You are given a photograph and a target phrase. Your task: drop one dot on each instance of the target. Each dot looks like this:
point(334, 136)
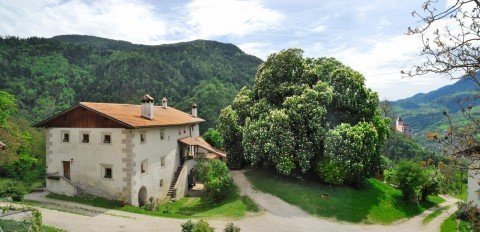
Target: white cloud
point(133, 21)
point(381, 66)
point(210, 18)
point(320, 28)
point(261, 50)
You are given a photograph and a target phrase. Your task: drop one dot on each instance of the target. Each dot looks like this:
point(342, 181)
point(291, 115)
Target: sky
point(367, 35)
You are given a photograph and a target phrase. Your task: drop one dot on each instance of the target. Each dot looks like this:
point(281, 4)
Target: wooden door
point(66, 169)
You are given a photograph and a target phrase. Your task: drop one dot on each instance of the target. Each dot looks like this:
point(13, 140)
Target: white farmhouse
point(123, 151)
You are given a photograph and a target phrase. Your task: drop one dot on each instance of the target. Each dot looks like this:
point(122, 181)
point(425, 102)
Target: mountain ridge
point(48, 75)
point(424, 112)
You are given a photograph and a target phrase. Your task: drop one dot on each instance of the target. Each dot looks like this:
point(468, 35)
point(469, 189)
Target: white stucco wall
point(473, 186)
point(61, 186)
point(152, 151)
point(86, 159)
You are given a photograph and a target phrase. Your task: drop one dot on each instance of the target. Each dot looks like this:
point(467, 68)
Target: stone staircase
point(80, 191)
point(174, 181)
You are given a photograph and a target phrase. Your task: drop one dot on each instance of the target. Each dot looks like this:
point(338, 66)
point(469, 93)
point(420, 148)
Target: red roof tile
point(199, 141)
point(131, 114)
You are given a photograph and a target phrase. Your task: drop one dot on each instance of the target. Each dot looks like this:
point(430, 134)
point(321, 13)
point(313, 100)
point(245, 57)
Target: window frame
point(143, 137)
point(62, 138)
point(162, 161)
point(104, 171)
point(82, 133)
point(103, 138)
point(162, 134)
point(144, 167)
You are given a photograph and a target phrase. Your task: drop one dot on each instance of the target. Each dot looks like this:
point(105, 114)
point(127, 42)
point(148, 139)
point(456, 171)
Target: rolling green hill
point(50, 75)
point(424, 111)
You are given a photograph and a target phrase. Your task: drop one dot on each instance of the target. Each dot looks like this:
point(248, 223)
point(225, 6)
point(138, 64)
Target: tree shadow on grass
point(203, 205)
point(337, 202)
point(412, 209)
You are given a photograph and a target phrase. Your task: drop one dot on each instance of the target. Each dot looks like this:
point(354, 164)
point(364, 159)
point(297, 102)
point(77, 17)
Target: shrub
point(202, 226)
point(470, 213)
point(410, 178)
point(216, 177)
point(232, 228)
point(213, 137)
point(22, 168)
point(151, 205)
point(188, 226)
point(13, 189)
point(35, 220)
point(199, 226)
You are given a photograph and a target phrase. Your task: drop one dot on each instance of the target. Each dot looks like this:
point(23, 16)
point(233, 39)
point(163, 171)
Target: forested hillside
point(424, 112)
point(50, 75)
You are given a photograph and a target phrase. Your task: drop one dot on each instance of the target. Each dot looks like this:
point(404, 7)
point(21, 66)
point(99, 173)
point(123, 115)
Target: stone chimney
point(194, 110)
point(147, 106)
point(164, 102)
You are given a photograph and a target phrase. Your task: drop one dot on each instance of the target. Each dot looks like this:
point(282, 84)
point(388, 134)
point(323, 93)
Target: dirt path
point(278, 216)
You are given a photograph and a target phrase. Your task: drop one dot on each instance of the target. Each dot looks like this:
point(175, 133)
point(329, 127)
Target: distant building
point(2, 145)
point(124, 151)
point(402, 127)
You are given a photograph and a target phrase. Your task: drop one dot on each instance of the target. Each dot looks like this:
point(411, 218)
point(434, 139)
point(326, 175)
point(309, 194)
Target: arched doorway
point(142, 196)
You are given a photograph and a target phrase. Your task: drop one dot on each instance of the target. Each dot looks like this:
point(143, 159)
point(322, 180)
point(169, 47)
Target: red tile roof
point(131, 114)
point(199, 141)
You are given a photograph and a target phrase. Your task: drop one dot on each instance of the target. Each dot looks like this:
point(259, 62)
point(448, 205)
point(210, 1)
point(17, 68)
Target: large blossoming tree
point(299, 113)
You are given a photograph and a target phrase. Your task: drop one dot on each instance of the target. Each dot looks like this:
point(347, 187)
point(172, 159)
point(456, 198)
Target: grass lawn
point(18, 226)
point(377, 203)
point(449, 225)
point(452, 225)
point(434, 214)
point(234, 206)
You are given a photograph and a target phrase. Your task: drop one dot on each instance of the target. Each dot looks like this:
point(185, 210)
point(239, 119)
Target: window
point(161, 183)
point(162, 134)
point(162, 161)
point(184, 129)
point(85, 138)
point(65, 137)
point(143, 137)
point(179, 130)
point(107, 138)
point(108, 173)
point(143, 167)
